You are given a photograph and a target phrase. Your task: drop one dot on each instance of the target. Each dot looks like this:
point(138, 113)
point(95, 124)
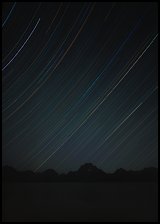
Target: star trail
point(79, 84)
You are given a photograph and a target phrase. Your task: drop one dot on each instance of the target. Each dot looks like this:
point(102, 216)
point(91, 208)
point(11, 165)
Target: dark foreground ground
point(85, 202)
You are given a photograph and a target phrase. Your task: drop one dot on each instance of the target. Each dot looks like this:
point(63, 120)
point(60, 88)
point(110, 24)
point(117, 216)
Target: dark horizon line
point(127, 170)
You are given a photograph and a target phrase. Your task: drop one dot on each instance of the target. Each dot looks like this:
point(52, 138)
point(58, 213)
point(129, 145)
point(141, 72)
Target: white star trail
point(22, 34)
point(22, 45)
point(9, 14)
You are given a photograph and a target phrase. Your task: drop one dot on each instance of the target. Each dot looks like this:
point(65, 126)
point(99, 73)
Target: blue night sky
point(79, 84)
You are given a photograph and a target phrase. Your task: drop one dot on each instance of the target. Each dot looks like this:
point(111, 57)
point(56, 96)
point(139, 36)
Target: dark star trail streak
point(79, 84)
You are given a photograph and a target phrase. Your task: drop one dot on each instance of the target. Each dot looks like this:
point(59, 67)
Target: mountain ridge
point(86, 173)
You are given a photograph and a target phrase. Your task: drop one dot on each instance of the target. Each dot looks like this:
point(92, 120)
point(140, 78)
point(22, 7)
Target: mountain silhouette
point(86, 173)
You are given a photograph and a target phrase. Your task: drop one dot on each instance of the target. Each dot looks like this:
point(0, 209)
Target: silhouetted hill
point(86, 173)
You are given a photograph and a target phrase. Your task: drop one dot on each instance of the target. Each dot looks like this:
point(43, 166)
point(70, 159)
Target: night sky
point(79, 84)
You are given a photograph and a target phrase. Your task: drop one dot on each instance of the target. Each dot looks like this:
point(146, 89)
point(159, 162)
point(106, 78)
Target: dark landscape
point(86, 173)
point(80, 196)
